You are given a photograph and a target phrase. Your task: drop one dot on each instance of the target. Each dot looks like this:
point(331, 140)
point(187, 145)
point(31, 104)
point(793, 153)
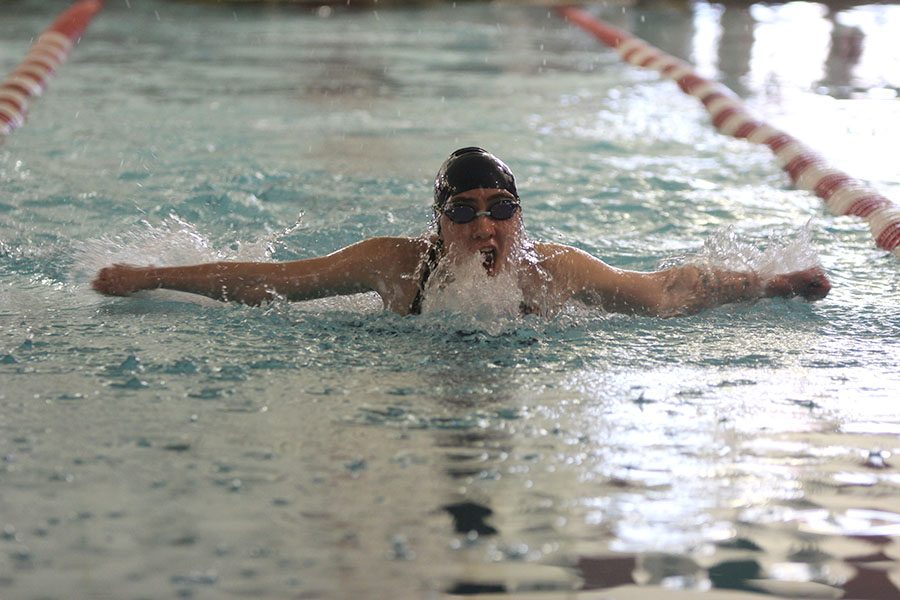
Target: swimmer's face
point(493, 239)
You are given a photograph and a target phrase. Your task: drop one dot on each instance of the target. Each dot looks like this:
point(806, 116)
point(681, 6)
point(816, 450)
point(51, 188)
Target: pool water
point(167, 446)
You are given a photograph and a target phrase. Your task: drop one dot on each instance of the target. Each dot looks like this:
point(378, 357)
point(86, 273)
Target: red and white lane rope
point(49, 51)
point(843, 195)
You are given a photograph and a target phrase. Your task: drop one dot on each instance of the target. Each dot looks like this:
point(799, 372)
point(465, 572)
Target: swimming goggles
point(463, 213)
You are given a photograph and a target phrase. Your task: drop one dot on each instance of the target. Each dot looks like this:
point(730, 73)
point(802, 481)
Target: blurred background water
point(164, 446)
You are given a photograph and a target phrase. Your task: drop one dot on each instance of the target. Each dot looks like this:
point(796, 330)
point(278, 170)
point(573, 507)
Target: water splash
point(728, 250)
point(460, 286)
point(266, 246)
point(174, 241)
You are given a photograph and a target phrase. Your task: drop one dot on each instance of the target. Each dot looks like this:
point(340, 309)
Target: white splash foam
point(264, 247)
point(172, 242)
point(782, 254)
point(460, 285)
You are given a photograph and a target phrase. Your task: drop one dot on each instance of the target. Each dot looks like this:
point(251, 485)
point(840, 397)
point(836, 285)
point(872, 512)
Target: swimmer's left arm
point(690, 288)
point(676, 291)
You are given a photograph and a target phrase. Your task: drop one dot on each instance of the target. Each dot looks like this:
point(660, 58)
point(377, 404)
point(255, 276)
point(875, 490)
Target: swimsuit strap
point(428, 266)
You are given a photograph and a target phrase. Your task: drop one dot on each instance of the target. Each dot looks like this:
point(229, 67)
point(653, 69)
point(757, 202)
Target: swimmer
point(478, 225)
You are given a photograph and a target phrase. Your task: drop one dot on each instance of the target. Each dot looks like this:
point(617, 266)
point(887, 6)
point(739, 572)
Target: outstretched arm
point(365, 266)
point(690, 288)
point(676, 291)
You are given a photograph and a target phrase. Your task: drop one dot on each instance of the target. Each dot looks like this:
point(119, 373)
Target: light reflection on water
point(165, 446)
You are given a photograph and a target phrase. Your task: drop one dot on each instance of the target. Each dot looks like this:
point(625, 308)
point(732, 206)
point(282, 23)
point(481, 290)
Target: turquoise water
point(163, 446)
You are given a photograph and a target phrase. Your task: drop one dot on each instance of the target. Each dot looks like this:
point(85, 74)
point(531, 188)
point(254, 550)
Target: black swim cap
point(469, 169)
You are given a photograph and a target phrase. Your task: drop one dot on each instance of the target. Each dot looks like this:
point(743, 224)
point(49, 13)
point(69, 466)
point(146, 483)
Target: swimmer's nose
point(482, 227)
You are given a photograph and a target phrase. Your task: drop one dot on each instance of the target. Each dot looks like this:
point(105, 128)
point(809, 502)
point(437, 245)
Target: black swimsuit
point(428, 266)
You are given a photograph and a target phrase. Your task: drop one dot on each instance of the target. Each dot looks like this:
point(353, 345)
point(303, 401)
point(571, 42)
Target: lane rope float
point(49, 51)
point(843, 195)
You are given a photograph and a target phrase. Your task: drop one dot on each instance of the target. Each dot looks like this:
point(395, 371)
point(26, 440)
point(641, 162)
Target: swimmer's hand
point(122, 280)
point(810, 284)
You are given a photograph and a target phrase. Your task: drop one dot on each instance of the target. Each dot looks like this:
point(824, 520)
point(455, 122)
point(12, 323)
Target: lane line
point(842, 194)
point(29, 80)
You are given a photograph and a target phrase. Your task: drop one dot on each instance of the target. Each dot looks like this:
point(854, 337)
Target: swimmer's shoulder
point(570, 263)
point(396, 246)
point(550, 253)
point(394, 267)
point(404, 253)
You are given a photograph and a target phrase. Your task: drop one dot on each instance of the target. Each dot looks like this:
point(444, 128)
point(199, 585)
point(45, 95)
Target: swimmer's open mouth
point(488, 257)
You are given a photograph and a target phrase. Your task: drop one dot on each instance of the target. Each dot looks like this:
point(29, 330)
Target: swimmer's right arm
point(361, 267)
point(244, 282)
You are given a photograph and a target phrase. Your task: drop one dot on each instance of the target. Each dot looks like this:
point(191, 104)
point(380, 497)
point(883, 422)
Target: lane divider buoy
point(843, 195)
point(49, 51)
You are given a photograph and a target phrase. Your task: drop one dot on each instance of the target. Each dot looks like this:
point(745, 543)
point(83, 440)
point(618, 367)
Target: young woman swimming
point(479, 225)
